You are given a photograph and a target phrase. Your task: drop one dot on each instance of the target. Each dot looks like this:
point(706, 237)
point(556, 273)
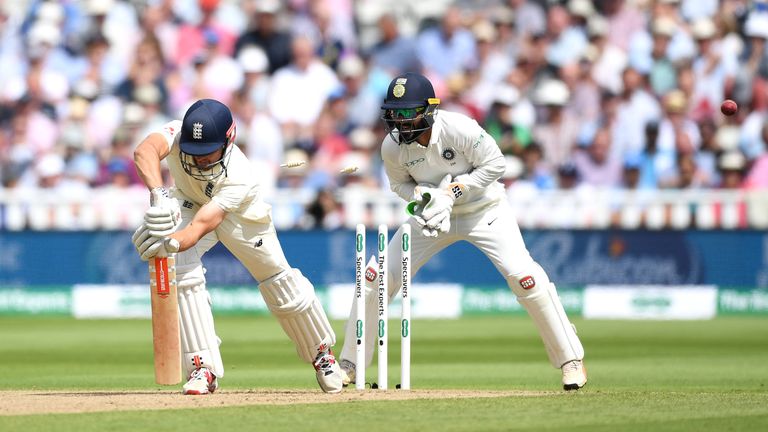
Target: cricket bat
point(165, 320)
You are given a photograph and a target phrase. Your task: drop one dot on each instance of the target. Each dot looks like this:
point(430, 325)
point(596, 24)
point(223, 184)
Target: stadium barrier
point(584, 208)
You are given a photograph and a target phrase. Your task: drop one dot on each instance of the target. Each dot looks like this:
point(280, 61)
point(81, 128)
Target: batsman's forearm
point(205, 220)
point(147, 157)
point(185, 239)
point(149, 170)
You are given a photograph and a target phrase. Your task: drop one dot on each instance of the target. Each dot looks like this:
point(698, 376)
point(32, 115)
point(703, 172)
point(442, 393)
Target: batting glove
point(150, 246)
point(164, 215)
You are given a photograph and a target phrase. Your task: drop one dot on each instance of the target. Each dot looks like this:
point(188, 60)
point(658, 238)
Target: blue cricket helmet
point(207, 127)
point(409, 107)
point(409, 90)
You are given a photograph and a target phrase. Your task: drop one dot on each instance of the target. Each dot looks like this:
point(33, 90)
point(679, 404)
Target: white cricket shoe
point(328, 372)
point(201, 381)
point(347, 372)
point(574, 375)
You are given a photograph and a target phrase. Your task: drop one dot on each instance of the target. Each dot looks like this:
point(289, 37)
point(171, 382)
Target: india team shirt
point(459, 147)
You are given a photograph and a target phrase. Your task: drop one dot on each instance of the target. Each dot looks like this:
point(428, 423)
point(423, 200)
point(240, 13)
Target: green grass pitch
point(643, 376)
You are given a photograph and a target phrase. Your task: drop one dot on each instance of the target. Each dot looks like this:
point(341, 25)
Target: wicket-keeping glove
point(440, 223)
point(425, 230)
point(442, 199)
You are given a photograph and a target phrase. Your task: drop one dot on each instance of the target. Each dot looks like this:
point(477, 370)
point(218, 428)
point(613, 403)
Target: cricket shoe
point(328, 372)
point(201, 381)
point(574, 375)
point(347, 372)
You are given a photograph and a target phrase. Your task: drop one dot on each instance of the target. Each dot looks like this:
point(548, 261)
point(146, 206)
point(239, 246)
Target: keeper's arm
point(488, 161)
point(400, 181)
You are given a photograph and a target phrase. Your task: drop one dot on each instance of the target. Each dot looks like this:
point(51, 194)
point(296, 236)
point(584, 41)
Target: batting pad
point(557, 332)
point(291, 298)
point(199, 342)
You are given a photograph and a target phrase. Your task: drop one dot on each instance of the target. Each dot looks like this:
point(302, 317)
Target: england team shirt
point(235, 191)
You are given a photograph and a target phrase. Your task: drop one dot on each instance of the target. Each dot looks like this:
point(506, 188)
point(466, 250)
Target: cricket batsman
point(217, 199)
point(446, 166)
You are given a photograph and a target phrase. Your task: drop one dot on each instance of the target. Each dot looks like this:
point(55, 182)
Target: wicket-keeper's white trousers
point(494, 231)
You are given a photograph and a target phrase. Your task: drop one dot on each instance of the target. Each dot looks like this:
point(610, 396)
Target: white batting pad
point(557, 332)
point(198, 336)
point(291, 298)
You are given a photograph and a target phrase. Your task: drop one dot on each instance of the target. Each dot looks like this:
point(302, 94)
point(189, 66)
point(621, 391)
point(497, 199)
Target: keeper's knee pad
point(291, 298)
point(539, 297)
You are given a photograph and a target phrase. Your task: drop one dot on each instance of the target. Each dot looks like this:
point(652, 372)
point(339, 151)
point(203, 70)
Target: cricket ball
point(729, 107)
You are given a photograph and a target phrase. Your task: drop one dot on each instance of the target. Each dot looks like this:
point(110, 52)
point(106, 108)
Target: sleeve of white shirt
point(481, 150)
point(170, 131)
point(400, 182)
point(238, 187)
point(230, 196)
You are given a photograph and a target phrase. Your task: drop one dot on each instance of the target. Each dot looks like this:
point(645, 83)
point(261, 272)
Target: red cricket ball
point(729, 107)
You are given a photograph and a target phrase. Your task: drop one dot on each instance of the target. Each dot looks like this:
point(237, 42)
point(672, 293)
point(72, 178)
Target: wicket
point(383, 307)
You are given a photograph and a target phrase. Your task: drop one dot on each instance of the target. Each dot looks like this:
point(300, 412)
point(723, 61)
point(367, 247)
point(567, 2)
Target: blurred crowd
point(577, 93)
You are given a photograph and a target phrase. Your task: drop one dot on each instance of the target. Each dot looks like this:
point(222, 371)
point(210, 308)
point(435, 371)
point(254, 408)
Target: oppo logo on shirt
point(414, 162)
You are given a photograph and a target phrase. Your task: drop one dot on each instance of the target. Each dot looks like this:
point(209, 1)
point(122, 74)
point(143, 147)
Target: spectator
point(193, 38)
point(714, 70)
point(318, 25)
point(677, 134)
point(637, 109)
point(749, 86)
point(447, 48)
point(757, 176)
point(732, 165)
point(630, 174)
point(363, 100)
point(530, 18)
point(558, 130)
point(568, 42)
point(624, 20)
point(299, 93)
point(596, 164)
point(148, 67)
point(501, 121)
point(255, 66)
point(608, 61)
point(535, 170)
point(325, 212)
point(687, 174)
point(568, 176)
point(265, 33)
point(494, 65)
point(393, 52)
